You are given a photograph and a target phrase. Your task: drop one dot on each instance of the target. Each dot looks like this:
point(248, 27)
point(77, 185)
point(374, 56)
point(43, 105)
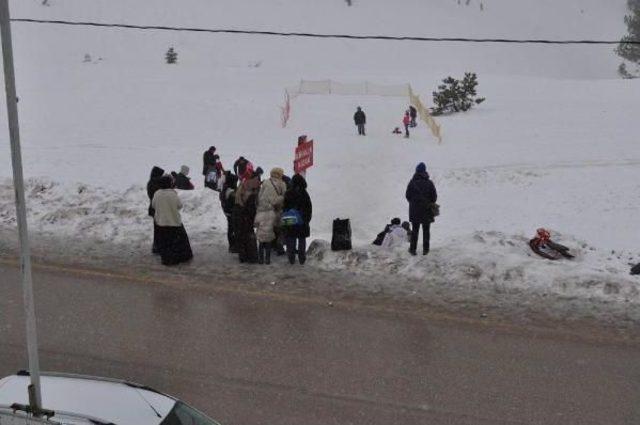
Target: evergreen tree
point(171, 56)
point(631, 52)
point(455, 95)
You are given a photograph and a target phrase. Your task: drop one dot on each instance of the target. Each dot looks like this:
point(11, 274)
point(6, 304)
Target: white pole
point(21, 210)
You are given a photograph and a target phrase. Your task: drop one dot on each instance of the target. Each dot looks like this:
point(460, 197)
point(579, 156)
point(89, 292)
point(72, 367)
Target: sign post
point(21, 208)
point(303, 157)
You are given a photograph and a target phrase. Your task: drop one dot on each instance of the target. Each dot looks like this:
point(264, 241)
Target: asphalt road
point(267, 359)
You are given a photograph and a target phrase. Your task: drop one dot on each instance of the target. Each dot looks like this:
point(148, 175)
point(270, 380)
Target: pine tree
point(455, 95)
point(631, 52)
point(171, 56)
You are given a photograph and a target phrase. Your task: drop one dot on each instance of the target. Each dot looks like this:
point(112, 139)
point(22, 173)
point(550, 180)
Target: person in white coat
point(270, 201)
point(395, 237)
point(172, 240)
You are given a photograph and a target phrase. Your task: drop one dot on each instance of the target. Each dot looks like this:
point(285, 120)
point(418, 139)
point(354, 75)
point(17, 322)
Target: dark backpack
point(341, 237)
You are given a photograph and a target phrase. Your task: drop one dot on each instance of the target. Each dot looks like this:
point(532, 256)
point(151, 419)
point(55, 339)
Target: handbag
point(290, 218)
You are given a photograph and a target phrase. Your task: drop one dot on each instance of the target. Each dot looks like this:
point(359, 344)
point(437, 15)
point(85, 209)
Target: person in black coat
point(360, 119)
point(421, 194)
point(297, 198)
point(209, 159)
point(413, 113)
point(152, 187)
point(181, 180)
point(227, 201)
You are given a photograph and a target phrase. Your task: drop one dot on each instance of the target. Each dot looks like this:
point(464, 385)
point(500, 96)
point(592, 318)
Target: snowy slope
point(555, 144)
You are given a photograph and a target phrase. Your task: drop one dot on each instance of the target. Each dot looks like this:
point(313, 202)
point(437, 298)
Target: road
point(268, 359)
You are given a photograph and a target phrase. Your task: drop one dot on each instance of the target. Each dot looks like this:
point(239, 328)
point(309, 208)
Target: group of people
point(262, 216)
point(269, 215)
point(408, 121)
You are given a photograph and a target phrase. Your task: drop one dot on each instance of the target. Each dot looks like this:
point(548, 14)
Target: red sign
point(304, 157)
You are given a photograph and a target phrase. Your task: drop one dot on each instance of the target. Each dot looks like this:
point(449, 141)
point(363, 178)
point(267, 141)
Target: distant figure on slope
point(360, 119)
point(406, 120)
point(152, 187)
point(297, 202)
point(413, 113)
point(396, 236)
point(181, 180)
point(227, 202)
point(421, 194)
point(172, 240)
point(270, 202)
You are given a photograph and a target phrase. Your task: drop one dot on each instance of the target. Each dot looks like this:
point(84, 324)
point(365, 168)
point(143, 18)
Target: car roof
point(111, 401)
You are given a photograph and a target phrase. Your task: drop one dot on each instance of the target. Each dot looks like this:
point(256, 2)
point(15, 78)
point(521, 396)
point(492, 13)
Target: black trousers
point(406, 130)
point(415, 232)
point(231, 234)
point(361, 129)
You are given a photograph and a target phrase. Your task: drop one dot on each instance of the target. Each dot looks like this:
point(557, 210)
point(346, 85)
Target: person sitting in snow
point(181, 180)
point(396, 236)
point(542, 245)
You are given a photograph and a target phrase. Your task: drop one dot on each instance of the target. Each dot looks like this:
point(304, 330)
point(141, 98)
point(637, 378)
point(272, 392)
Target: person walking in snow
point(406, 121)
point(181, 180)
point(172, 240)
point(421, 194)
point(152, 187)
point(227, 201)
point(270, 202)
point(413, 113)
point(360, 120)
point(297, 198)
point(243, 216)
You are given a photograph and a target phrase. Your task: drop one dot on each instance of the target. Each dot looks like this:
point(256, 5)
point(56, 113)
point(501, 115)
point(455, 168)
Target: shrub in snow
point(456, 95)
point(171, 56)
point(631, 52)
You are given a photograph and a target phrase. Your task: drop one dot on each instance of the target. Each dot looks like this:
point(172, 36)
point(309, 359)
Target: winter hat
point(277, 173)
point(156, 172)
point(184, 170)
point(395, 221)
point(406, 226)
point(421, 168)
point(212, 148)
point(259, 171)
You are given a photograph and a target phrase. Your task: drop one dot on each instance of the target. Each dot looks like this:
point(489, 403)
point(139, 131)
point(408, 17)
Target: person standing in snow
point(172, 239)
point(360, 119)
point(209, 160)
point(413, 113)
point(297, 198)
point(243, 216)
point(396, 236)
point(421, 194)
point(181, 180)
point(406, 121)
point(243, 168)
point(227, 201)
point(270, 202)
point(152, 187)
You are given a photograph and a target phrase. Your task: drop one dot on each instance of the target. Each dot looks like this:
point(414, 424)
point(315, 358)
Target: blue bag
point(291, 218)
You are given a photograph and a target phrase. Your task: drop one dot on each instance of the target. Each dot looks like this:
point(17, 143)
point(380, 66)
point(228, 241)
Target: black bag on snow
point(341, 237)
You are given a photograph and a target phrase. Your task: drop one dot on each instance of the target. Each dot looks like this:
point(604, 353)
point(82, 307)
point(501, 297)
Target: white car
point(78, 399)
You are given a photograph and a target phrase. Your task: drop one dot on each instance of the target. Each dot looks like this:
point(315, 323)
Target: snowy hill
point(555, 144)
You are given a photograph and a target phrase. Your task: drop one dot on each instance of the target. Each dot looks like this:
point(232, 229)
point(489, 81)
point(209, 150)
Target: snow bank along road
point(255, 359)
point(553, 146)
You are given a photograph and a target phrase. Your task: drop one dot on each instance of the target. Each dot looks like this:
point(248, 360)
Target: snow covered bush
point(171, 56)
point(456, 95)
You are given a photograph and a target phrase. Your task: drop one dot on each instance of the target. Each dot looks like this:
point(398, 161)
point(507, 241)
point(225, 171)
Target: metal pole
point(21, 210)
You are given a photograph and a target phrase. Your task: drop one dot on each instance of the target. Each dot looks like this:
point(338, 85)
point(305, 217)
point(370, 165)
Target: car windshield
point(181, 414)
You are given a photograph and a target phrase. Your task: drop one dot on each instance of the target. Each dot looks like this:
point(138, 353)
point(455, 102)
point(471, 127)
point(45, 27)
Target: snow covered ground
point(554, 145)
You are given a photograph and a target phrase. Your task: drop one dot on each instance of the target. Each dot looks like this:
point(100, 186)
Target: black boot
point(267, 254)
point(261, 249)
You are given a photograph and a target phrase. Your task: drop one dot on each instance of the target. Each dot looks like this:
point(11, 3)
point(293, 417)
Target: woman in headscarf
point(172, 240)
point(152, 187)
